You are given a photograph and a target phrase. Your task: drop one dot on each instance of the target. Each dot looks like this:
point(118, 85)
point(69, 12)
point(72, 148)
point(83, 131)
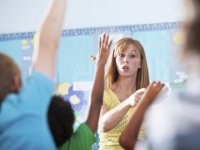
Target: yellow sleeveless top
point(109, 140)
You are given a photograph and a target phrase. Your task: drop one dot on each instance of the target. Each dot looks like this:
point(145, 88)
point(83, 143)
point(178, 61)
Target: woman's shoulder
point(110, 97)
point(107, 91)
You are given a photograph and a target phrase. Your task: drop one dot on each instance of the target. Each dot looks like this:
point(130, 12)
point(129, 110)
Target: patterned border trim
point(98, 30)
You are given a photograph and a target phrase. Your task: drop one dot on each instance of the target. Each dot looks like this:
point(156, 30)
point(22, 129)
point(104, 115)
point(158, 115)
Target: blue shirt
point(23, 116)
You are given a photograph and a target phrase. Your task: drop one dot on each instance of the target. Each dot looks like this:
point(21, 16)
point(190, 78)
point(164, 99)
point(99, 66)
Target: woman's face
point(128, 62)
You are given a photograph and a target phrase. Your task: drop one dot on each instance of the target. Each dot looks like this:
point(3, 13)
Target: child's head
point(142, 73)
point(192, 28)
point(61, 120)
point(10, 79)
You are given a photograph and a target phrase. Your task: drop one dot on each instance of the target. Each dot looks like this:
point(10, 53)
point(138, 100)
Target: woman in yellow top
point(126, 74)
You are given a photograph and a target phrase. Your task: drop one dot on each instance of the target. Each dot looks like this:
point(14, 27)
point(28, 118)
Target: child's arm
point(47, 39)
point(98, 85)
point(129, 136)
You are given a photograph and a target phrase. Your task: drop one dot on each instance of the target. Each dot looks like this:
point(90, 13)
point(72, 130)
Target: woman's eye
point(121, 55)
point(133, 56)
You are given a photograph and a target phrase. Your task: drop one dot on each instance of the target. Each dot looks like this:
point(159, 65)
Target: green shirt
point(82, 139)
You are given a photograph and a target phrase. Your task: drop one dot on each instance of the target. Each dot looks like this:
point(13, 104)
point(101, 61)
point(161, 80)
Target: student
point(173, 123)
point(127, 73)
point(61, 120)
point(61, 117)
point(23, 111)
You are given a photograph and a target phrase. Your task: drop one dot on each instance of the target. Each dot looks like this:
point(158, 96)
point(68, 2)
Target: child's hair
point(61, 120)
point(192, 43)
point(8, 69)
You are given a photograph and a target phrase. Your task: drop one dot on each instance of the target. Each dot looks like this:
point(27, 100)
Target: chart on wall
point(75, 66)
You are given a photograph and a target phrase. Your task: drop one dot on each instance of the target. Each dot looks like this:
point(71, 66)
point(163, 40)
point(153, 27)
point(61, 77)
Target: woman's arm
point(110, 119)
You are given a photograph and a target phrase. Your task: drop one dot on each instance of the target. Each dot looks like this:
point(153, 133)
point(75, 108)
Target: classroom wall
point(155, 23)
point(25, 15)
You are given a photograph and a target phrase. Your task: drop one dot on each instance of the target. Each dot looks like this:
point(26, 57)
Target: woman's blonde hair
point(112, 74)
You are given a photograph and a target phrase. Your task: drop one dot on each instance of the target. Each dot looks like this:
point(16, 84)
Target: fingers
point(148, 95)
point(100, 43)
point(106, 36)
point(105, 42)
point(158, 85)
point(104, 49)
point(110, 43)
point(140, 90)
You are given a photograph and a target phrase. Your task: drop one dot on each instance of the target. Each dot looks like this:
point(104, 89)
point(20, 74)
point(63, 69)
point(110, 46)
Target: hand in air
point(152, 91)
point(104, 49)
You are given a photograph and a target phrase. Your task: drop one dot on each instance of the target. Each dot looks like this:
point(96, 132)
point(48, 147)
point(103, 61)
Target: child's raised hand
point(152, 91)
point(104, 49)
